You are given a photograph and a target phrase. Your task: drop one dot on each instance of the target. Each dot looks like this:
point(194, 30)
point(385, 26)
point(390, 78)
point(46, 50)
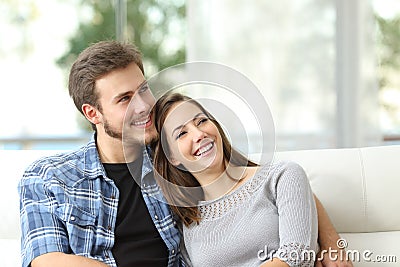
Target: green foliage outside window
point(156, 27)
point(388, 48)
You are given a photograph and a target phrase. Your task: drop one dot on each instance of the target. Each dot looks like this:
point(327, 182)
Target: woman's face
point(193, 139)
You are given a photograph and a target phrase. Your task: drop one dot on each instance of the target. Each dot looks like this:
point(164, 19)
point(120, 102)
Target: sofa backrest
point(359, 188)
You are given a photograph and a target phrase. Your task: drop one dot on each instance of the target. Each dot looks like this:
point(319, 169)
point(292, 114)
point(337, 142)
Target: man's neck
point(112, 150)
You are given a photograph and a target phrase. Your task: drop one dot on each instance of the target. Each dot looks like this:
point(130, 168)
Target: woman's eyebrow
point(198, 115)
point(177, 128)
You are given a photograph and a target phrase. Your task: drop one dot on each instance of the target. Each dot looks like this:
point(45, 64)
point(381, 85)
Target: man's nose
point(139, 104)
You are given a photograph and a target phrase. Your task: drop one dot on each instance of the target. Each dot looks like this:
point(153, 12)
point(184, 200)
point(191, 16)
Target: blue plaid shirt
point(67, 204)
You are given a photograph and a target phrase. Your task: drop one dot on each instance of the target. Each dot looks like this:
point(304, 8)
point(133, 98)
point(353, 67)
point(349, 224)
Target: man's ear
point(91, 113)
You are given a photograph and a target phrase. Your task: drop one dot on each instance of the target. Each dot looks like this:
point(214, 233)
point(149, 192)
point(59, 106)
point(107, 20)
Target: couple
point(84, 208)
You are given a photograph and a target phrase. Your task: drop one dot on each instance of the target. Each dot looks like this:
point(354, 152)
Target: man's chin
point(115, 135)
point(132, 141)
point(139, 137)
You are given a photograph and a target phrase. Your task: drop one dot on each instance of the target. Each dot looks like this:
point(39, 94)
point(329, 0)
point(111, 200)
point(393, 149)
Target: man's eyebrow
point(143, 84)
point(181, 126)
point(120, 95)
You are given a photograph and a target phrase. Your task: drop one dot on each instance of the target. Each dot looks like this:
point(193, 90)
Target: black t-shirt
point(137, 241)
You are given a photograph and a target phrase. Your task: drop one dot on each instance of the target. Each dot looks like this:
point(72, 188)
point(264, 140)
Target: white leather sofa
point(360, 189)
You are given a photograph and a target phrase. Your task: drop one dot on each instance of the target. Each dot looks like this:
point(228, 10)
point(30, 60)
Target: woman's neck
point(219, 183)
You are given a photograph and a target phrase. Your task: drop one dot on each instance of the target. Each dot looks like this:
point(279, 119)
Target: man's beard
point(151, 136)
point(111, 131)
point(148, 137)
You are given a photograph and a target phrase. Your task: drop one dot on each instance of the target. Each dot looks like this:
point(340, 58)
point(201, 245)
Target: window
point(41, 39)
point(387, 14)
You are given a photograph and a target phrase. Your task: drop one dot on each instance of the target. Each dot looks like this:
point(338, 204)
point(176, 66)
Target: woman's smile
point(205, 150)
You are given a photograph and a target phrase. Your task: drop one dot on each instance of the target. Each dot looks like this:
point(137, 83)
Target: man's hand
point(59, 259)
point(328, 240)
point(327, 258)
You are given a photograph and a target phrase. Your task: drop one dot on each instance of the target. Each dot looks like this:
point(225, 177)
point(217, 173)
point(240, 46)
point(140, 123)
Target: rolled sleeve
point(41, 230)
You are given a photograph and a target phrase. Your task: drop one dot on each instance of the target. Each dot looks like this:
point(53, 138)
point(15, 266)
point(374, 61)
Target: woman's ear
point(174, 161)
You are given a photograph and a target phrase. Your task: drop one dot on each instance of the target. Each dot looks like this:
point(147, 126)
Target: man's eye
point(124, 99)
point(180, 135)
point(144, 88)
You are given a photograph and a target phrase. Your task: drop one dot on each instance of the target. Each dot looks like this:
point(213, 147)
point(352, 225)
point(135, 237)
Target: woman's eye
point(202, 120)
point(180, 135)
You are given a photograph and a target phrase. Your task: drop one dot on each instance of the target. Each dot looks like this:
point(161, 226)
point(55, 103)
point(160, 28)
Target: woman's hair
point(183, 202)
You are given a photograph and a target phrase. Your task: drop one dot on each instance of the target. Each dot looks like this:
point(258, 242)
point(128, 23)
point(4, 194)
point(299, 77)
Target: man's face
point(126, 102)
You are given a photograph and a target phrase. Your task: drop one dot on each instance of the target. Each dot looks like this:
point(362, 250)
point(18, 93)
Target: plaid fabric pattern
point(67, 204)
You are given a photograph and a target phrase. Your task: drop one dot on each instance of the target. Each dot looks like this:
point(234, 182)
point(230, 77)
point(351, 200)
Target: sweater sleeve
point(298, 224)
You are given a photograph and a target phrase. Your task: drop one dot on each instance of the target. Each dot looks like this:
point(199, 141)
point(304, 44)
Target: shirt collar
point(94, 168)
point(92, 164)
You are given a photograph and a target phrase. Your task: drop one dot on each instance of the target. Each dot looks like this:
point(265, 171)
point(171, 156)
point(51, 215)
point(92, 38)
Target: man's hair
point(93, 63)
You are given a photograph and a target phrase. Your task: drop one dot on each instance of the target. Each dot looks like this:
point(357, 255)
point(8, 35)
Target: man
point(84, 208)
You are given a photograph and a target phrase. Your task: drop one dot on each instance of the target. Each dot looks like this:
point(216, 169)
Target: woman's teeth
point(204, 149)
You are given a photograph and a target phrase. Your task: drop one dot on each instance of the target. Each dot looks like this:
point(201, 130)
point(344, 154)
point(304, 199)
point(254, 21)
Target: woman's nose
point(198, 135)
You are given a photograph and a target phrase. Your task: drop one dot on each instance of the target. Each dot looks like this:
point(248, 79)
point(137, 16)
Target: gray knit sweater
point(271, 214)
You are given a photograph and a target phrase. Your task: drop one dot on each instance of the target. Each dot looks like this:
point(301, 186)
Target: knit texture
point(272, 215)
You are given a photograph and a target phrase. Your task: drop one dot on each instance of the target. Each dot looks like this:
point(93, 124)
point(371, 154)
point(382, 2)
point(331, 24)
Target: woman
point(234, 212)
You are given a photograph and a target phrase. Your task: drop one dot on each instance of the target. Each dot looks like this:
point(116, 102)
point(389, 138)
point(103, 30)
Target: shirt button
point(156, 217)
point(109, 228)
point(72, 218)
point(173, 251)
